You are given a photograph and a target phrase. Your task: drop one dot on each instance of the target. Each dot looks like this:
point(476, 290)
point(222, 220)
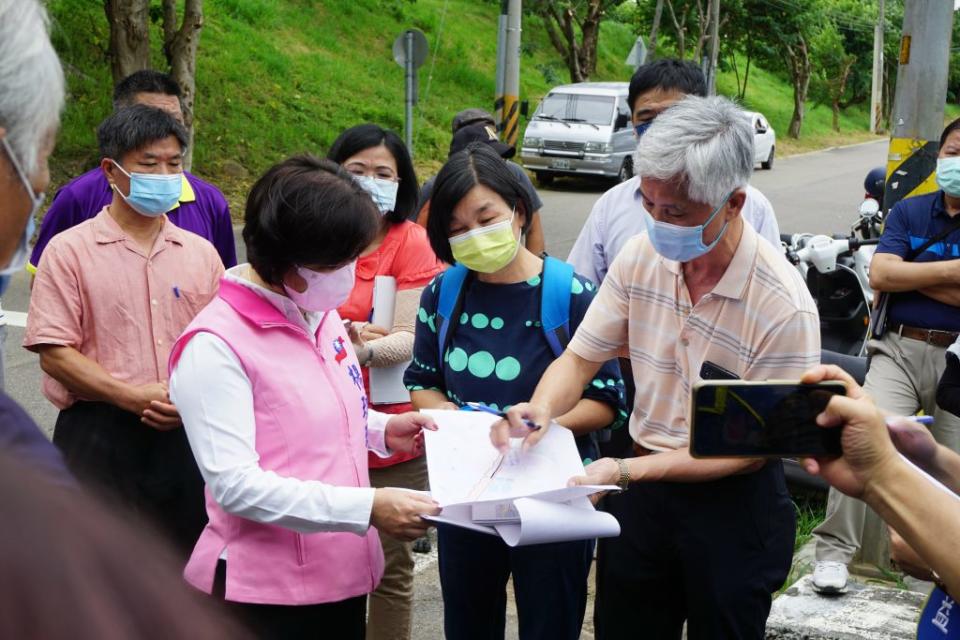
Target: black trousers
point(149, 472)
point(710, 553)
point(344, 620)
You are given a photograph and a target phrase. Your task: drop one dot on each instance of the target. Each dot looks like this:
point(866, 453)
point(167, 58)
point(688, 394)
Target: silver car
point(581, 129)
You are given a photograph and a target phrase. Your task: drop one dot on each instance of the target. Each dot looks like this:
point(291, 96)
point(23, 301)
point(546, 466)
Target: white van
point(581, 129)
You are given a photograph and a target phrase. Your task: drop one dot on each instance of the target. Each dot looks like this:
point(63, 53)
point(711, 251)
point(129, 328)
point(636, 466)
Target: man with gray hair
point(31, 97)
point(702, 541)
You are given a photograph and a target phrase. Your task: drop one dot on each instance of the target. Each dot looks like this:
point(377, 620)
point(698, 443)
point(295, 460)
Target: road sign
point(637, 55)
point(420, 48)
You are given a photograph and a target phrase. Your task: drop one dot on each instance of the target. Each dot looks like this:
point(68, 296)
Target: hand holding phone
point(772, 419)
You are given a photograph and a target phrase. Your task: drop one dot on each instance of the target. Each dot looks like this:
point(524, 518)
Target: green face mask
point(487, 249)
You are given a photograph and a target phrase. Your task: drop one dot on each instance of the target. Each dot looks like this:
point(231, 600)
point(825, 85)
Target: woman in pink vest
point(272, 400)
point(378, 160)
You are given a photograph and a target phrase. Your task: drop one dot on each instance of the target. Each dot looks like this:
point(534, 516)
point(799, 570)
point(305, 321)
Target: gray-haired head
point(31, 80)
point(704, 143)
point(135, 127)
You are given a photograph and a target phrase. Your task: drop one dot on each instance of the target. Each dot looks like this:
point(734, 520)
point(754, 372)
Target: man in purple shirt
point(202, 208)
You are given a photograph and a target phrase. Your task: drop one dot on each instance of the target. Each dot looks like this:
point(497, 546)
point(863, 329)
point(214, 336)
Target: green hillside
point(278, 77)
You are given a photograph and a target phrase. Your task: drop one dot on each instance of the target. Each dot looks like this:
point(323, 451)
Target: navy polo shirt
point(909, 225)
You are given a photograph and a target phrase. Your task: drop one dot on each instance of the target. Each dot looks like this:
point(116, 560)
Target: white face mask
point(325, 291)
point(19, 258)
point(383, 192)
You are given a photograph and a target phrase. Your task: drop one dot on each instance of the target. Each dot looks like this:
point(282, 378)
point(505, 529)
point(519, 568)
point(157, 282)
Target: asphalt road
point(818, 192)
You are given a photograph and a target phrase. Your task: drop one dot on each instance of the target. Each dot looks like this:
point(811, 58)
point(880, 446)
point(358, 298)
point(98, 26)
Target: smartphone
point(711, 371)
point(769, 419)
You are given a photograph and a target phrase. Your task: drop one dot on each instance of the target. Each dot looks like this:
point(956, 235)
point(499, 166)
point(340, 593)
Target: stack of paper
point(386, 383)
point(521, 496)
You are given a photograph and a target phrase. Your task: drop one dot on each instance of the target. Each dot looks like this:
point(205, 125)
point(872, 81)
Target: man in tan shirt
point(111, 297)
point(703, 541)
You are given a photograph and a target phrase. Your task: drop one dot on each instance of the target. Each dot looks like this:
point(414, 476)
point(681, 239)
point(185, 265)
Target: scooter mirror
point(869, 208)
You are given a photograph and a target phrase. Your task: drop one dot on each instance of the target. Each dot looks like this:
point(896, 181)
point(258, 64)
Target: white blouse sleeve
point(221, 427)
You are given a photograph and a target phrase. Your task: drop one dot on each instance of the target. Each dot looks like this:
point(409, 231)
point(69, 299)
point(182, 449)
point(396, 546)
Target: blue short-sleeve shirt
point(908, 226)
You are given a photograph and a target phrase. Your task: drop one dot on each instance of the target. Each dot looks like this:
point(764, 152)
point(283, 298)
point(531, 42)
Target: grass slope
point(277, 77)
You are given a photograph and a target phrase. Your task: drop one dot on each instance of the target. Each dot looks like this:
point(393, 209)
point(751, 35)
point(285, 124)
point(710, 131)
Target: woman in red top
point(379, 160)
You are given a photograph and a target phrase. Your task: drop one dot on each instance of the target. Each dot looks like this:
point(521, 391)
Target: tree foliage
point(573, 27)
point(130, 25)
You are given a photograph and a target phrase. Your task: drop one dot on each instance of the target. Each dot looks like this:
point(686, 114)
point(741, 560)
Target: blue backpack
point(555, 291)
point(554, 303)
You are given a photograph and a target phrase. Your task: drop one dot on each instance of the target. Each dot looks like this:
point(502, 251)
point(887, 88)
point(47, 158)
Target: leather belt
point(931, 336)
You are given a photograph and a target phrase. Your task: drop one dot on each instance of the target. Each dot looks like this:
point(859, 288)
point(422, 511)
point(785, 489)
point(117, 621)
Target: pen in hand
point(479, 406)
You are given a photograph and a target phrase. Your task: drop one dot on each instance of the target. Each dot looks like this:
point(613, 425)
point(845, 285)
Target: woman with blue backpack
point(487, 329)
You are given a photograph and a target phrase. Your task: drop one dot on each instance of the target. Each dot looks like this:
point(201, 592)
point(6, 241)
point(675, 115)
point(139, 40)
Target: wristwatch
point(624, 481)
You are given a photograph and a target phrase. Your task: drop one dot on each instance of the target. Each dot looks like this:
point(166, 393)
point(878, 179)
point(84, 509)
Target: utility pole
point(501, 63)
point(511, 75)
point(714, 45)
point(917, 118)
point(915, 126)
point(876, 85)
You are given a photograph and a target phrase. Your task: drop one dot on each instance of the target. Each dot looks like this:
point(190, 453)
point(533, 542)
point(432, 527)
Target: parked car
point(581, 129)
point(764, 140)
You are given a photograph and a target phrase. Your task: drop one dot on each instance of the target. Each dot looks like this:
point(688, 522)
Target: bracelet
point(624, 481)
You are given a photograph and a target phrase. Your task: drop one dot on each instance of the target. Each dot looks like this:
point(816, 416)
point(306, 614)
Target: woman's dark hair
point(73, 569)
point(950, 128)
point(306, 211)
point(477, 164)
point(364, 136)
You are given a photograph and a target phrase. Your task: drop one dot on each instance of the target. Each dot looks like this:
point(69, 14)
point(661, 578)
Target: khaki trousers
point(391, 605)
point(902, 379)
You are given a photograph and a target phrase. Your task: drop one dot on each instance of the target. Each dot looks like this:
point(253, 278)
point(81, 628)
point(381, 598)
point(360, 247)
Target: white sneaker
point(830, 577)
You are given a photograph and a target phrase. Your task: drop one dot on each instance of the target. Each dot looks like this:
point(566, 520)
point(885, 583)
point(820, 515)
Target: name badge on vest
point(940, 618)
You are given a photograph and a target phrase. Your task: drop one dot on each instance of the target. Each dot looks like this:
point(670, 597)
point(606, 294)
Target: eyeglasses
point(381, 173)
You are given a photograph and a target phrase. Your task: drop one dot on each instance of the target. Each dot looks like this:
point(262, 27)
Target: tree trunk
point(680, 29)
point(561, 23)
point(841, 87)
point(798, 62)
point(652, 47)
point(703, 23)
point(180, 48)
point(129, 36)
point(746, 77)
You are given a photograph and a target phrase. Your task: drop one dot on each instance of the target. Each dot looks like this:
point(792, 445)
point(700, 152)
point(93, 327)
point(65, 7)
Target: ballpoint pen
point(924, 420)
point(479, 406)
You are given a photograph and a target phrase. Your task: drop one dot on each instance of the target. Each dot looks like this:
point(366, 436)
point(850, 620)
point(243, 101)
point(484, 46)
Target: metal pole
point(511, 75)
point(501, 64)
point(408, 111)
point(917, 118)
point(714, 45)
point(876, 85)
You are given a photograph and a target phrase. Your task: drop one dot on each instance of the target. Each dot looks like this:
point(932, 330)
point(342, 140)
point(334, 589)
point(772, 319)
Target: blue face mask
point(641, 128)
point(151, 194)
point(19, 259)
point(682, 244)
point(948, 175)
point(383, 192)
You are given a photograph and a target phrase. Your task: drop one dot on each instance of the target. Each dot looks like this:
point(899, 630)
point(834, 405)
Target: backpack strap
point(555, 303)
point(449, 302)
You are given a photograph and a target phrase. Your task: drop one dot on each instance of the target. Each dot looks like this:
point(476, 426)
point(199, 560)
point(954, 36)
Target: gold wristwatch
point(624, 481)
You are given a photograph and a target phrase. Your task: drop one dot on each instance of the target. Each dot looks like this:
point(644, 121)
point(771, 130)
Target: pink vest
point(311, 424)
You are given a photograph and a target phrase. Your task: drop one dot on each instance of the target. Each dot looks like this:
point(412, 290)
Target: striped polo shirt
point(758, 322)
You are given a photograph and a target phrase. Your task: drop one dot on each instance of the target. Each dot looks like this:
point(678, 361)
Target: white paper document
point(521, 496)
point(386, 383)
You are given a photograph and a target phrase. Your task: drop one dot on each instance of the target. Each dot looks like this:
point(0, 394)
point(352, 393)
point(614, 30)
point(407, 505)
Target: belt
point(639, 450)
point(931, 336)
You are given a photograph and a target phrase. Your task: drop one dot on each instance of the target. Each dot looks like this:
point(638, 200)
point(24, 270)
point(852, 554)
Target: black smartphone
point(711, 371)
point(771, 419)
